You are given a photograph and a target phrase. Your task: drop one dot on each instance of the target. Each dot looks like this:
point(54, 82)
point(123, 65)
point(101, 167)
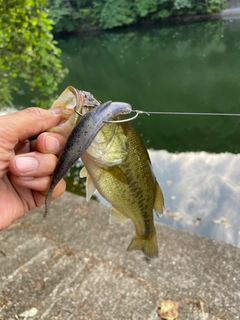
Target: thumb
point(27, 123)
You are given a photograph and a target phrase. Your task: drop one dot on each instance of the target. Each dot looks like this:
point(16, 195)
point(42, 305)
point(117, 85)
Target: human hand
point(26, 166)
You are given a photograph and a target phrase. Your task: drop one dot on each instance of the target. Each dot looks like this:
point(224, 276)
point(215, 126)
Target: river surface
point(192, 68)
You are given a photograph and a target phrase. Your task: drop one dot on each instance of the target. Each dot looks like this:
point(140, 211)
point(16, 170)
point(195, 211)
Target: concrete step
point(74, 265)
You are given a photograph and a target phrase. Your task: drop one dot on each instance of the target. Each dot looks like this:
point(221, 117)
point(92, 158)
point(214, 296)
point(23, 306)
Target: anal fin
point(159, 200)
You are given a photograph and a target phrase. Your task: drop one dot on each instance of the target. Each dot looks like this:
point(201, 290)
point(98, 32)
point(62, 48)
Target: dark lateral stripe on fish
point(81, 137)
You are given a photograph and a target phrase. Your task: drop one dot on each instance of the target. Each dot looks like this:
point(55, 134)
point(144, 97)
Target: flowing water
point(193, 68)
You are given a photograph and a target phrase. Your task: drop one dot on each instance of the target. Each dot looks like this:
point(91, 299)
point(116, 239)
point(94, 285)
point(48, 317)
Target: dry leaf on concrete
point(168, 309)
point(29, 313)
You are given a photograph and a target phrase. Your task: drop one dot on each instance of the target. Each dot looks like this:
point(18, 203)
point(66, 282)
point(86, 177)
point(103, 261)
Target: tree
point(27, 50)
point(117, 13)
point(71, 15)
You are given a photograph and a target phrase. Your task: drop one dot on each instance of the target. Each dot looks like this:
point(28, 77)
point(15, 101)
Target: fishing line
point(174, 113)
point(190, 113)
point(169, 113)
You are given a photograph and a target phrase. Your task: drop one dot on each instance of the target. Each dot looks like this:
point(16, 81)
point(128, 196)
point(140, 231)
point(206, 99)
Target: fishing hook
point(77, 112)
point(129, 119)
point(117, 121)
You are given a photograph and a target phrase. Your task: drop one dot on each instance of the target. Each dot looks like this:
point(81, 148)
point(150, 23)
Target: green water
point(193, 68)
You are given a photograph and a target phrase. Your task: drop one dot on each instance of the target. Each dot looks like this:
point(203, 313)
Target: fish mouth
point(85, 101)
point(74, 102)
point(90, 100)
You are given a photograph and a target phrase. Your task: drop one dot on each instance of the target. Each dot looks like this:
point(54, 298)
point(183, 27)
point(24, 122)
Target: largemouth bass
point(118, 166)
point(81, 137)
point(126, 180)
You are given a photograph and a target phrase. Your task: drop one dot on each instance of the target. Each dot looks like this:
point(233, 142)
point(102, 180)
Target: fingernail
point(26, 164)
point(52, 144)
point(56, 110)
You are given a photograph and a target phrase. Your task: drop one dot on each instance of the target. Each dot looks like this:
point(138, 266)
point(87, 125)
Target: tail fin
point(147, 245)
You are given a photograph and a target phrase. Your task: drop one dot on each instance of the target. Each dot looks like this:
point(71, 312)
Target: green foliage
point(183, 4)
point(63, 16)
point(27, 50)
point(164, 10)
point(144, 8)
point(69, 15)
point(117, 13)
point(216, 5)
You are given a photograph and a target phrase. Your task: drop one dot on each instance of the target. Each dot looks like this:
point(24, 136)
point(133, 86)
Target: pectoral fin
point(117, 217)
point(117, 173)
point(159, 200)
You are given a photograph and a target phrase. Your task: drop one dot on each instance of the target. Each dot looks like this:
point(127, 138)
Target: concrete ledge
point(75, 266)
